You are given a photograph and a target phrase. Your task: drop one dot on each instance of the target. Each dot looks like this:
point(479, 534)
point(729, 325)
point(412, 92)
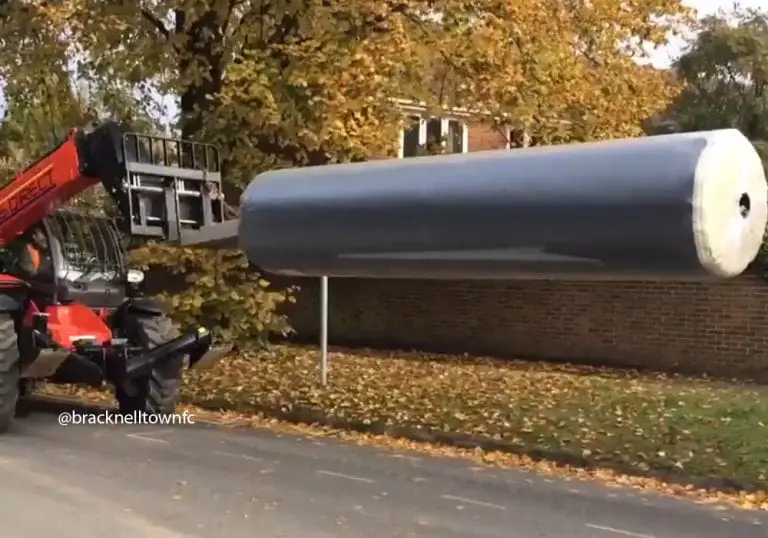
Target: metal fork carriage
point(174, 186)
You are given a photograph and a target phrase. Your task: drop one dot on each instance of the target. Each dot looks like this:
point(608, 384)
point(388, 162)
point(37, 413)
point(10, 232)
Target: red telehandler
point(71, 310)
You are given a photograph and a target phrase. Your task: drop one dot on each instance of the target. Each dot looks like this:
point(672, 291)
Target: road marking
point(618, 531)
point(347, 476)
point(144, 436)
point(233, 455)
point(472, 501)
point(404, 457)
point(396, 455)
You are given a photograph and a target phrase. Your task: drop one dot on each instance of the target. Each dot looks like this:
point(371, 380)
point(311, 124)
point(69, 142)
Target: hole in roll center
point(745, 205)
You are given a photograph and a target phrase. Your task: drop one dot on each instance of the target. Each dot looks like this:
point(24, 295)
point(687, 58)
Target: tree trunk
point(204, 36)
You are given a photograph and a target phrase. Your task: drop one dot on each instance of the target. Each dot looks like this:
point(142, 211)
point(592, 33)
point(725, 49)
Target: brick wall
point(718, 328)
point(482, 137)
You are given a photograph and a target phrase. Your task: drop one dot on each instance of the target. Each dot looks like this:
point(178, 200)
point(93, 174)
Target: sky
point(661, 57)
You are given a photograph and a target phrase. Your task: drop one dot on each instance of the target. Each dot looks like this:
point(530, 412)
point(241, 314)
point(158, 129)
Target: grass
point(607, 418)
point(694, 427)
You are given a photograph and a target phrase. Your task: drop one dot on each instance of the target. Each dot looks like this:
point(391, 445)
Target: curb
point(310, 417)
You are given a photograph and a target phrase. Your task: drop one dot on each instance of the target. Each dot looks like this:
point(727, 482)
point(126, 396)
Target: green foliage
point(219, 290)
point(725, 72)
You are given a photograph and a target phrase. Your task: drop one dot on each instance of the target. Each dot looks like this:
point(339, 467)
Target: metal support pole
point(324, 330)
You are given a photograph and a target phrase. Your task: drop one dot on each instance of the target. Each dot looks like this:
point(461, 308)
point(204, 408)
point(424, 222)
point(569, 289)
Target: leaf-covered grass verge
point(626, 420)
point(695, 427)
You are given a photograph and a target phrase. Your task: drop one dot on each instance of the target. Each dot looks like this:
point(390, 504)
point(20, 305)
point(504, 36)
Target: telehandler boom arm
point(163, 188)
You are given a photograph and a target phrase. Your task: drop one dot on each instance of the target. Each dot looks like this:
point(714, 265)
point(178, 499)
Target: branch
point(288, 24)
point(401, 8)
point(233, 4)
point(156, 23)
point(248, 16)
point(428, 33)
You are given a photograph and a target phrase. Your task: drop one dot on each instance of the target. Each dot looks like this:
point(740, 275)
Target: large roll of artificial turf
point(683, 206)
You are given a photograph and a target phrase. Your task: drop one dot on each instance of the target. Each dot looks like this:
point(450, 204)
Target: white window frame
point(508, 132)
point(444, 121)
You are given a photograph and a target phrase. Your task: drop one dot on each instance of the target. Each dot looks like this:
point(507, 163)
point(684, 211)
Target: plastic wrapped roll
point(683, 206)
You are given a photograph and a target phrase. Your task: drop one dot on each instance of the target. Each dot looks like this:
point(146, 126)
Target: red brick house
point(453, 127)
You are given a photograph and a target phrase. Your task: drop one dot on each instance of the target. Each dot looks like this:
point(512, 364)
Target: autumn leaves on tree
point(300, 82)
point(311, 81)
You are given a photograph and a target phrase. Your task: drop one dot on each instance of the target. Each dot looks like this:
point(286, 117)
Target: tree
point(309, 82)
point(725, 75)
point(300, 82)
point(37, 118)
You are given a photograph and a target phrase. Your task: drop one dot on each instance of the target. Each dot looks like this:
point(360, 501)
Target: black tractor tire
point(159, 392)
point(10, 372)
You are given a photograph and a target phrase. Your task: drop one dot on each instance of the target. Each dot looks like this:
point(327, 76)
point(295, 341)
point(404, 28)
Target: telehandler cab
point(71, 310)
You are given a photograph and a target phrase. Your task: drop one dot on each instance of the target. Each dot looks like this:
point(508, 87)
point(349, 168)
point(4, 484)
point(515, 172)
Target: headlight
point(135, 276)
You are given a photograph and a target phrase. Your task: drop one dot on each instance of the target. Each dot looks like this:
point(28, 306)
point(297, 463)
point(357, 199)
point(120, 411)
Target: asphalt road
point(200, 481)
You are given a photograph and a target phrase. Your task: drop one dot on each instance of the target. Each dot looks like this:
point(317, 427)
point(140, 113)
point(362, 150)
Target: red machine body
point(106, 154)
point(70, 309)
point(72, 322)
point(32, 195)
point(42, 188)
